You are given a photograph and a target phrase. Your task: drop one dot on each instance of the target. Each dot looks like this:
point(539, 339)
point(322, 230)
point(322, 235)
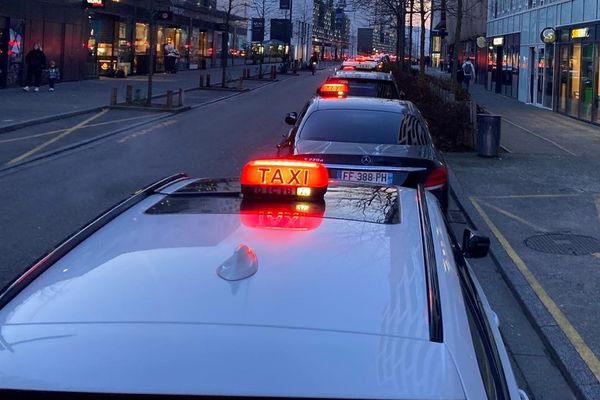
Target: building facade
point(89, 38)
point(317, 26)
point(547, 53)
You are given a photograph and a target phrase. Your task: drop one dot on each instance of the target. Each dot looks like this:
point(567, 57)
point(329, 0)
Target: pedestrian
point(469, 71)
point(36, 62)
point(460, 75)
point(171, 57)
point(53, 75)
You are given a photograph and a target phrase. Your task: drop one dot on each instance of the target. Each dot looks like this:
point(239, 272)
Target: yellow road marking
point(58, 137)
point(569, 330)
point(513, 216)
point(114, 121)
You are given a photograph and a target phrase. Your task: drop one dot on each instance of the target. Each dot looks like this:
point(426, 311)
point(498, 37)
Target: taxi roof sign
point(281, 177)
point(339, 89)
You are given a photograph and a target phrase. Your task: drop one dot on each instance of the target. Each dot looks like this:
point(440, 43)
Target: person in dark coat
point(36, 62)
point(460, 74)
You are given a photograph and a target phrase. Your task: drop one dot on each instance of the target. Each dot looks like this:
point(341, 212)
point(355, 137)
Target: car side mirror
point(291, 118)
point(475, 245)
point(402, 95)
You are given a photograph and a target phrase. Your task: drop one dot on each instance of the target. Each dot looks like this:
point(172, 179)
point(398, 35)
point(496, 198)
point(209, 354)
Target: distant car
point(367, 84)
point(276, 285)
point(368, 140)
point(361, 64)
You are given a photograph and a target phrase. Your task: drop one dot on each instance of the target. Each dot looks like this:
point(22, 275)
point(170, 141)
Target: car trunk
point(371, 163)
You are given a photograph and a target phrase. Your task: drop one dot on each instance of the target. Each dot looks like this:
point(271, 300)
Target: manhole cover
point(561, 243)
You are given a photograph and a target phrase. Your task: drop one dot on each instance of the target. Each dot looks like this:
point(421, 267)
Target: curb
point(56, 117)
point(576, 372)
point(117, 131)
point(50, 118)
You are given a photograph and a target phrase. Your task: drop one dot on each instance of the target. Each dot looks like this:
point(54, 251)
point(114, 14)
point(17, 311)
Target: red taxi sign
point(295, 216)
point(339, 89)
point(348, 68)
point(280, 177)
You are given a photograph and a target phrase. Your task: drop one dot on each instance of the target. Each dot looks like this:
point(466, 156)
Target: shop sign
point(258, 29)
point(580, 33)
point(481, 42)
point(94, 3)
point(498, 41)
point(548, 35)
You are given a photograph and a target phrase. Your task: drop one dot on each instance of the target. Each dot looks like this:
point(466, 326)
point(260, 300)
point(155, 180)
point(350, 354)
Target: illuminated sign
point(498, 41)
point(481, 42)
point(284, 178)
point(580, 33)
point(548, 35)
point(94, 3)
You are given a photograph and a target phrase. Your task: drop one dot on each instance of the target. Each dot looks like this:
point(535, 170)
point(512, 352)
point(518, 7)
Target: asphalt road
point(45, 201)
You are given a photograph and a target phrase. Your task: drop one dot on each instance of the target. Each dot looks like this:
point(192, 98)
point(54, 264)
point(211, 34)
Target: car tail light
point(348, 68)
point(437, 178)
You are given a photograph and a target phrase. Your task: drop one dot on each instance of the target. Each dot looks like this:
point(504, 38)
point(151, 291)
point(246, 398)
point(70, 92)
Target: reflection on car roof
point(372, 75)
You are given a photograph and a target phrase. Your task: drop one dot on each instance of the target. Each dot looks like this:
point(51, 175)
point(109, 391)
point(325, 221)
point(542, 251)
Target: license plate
point(385, 178)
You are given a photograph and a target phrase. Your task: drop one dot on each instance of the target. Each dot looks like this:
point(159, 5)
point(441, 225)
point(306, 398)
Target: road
point(52, 183)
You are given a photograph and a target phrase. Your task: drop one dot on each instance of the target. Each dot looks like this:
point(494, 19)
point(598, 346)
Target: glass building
point(547, 53)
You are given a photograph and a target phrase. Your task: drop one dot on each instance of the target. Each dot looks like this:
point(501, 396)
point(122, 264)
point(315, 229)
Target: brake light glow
point(296, 216)
point(437, 178)
point(333, 89)
point(280, 177)
point(348, 68)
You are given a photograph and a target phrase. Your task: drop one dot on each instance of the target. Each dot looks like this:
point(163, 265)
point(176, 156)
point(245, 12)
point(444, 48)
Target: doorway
point(541, 76)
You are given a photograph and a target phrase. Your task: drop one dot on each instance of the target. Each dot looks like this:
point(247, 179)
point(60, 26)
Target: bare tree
point(229, 8)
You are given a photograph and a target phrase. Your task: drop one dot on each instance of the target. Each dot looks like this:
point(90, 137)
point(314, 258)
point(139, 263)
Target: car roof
point(373, 75)
point(363, 103)
point(342, 306)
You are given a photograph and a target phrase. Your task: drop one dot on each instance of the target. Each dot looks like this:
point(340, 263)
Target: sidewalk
point(70, 97)
point(540, 204)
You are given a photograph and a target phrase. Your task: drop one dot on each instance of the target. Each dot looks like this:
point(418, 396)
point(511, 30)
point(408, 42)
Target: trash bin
point(488, 135)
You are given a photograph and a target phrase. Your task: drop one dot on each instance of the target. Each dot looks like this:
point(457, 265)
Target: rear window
point(364, 126)
point(371, 88)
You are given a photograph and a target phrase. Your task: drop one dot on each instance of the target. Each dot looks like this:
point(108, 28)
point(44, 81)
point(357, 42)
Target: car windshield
point(371, 88)
point(364, 126)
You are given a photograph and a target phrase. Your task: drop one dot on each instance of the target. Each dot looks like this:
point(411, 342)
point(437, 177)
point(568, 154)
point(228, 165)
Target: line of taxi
point(282, 283)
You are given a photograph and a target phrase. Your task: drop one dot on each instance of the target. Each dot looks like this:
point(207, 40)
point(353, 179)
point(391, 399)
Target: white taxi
point(282, 284)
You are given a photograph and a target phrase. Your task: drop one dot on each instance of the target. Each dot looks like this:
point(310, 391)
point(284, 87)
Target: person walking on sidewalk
point(53, 75)
point(171, 57)
point(36, 62)
point(469, 72)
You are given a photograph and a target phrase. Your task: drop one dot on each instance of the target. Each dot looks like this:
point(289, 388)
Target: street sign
point(284, 4)
point(281, 29)
point(258, 29)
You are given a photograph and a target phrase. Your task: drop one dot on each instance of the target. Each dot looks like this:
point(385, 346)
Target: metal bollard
point(180, 100)
point(113, 97)
point(260, 72)
point(169, 99)
point(201, 81)
point(274, 72)
point(207, 80)
point(240, 84)
point(129, 94)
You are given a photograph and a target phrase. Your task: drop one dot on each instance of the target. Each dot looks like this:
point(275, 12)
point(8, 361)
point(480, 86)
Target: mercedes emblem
point(366, 160)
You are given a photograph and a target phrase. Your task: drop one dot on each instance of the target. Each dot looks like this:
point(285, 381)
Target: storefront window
point(141, 38)
point(598, 84)
point(564, 79)
point(549, 76)
point(587, 79)
point(575, 81)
